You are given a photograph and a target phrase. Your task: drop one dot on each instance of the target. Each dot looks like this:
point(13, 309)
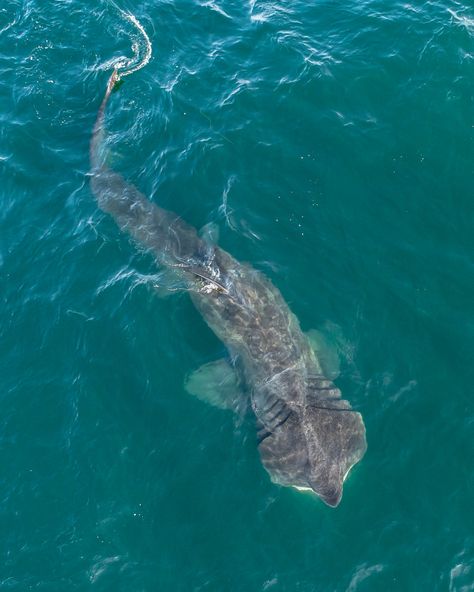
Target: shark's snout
point(327, 483)
point(332, 496)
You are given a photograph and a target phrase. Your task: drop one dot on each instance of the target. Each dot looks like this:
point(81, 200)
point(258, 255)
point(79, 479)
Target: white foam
point(141, 44)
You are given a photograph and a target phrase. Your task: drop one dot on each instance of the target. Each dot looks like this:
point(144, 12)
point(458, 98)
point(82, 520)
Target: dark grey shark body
point(308, 436)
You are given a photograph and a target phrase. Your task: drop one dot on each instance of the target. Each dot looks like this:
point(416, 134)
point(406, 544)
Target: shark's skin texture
point(308, 436)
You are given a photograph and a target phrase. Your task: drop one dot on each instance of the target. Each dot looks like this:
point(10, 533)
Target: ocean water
point(333, 145)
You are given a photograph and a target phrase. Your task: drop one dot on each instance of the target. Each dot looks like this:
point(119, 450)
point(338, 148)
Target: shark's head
point(315, 448)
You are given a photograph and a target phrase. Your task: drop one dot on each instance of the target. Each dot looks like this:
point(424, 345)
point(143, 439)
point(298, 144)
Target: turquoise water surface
point(332, 143)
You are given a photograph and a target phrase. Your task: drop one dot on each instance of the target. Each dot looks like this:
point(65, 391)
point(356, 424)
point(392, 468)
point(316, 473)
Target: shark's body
point(308, 436)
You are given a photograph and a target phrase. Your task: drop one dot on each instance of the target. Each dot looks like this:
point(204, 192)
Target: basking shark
point(308, 436)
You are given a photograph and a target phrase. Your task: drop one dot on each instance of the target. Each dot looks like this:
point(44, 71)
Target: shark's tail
point(174, 243)
point(99, 127)
point(123, 66)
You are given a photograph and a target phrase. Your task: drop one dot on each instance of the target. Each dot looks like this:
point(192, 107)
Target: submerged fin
point(326, 352)
point(216, 383)
point(210, 233)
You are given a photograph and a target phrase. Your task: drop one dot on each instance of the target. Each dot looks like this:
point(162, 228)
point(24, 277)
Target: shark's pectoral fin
point(216, 383)
point(326, 351)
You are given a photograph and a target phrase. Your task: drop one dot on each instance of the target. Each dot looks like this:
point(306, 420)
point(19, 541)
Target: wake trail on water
point(128, 63)
point(141, 47)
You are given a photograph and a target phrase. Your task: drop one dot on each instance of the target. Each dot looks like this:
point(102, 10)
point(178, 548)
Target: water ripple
point(332, 144)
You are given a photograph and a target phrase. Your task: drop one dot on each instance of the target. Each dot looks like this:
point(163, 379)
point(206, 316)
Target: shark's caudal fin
point(99, 128)
point(148, 224)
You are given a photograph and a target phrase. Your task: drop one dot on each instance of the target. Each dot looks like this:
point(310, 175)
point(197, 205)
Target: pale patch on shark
point(326, 352)
point(298, 488)
point(308, 436)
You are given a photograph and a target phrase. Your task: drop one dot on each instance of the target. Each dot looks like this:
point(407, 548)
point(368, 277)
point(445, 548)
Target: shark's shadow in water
point(308, 436)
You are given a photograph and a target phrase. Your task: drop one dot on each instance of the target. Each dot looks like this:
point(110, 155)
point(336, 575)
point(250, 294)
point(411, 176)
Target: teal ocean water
point(332, 143)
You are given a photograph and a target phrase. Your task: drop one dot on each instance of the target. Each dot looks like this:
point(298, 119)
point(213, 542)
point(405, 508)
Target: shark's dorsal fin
point(217, 285)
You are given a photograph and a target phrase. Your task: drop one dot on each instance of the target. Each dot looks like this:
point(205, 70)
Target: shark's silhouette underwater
point(308, 436)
